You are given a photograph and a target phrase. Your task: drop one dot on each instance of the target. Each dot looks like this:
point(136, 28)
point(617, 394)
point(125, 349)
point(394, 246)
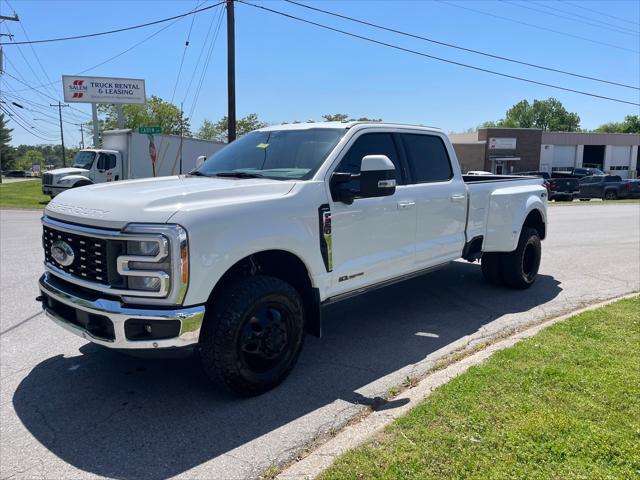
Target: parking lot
point(71, 409)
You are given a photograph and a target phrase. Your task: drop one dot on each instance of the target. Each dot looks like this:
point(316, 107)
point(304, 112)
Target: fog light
point(151, 284)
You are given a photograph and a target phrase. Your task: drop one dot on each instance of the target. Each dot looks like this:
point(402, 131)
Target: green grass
point(27, 194)
point(564, 404)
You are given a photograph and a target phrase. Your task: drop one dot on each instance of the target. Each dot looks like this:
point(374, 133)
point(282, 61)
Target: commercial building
point(513, 150)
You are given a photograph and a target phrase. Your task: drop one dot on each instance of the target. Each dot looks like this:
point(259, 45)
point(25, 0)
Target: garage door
point(564, 156)
point(620, 160)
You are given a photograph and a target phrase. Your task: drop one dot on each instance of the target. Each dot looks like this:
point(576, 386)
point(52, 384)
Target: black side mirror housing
point(377, 179)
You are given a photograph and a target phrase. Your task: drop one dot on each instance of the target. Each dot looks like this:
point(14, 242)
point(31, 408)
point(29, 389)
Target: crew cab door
point(440, 196)
point(108, 167)
point(372, 240)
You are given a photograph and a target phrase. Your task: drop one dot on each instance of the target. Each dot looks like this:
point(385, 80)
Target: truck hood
point(156, 200)
point(63, 172)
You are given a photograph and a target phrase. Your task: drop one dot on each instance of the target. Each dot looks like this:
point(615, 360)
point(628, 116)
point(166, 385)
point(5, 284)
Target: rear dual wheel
point(517, 269)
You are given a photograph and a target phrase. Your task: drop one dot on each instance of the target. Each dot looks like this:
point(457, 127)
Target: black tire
point(520, 267)
point(253, 335)
point(82, 183)
point(585, 199)
point(491, 264)
point(610, 195)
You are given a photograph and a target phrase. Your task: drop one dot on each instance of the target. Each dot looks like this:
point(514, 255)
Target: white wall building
point(615, 153)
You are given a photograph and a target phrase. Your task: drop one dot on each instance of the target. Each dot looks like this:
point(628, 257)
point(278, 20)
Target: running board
point(385, 283)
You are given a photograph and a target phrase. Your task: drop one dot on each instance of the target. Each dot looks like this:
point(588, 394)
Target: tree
point(336, 117)
point(218, 130)
point(547, 114)
point(631, 124)
point(343, 117)
point(7, 152)
point(156, 112)
point(31, 157)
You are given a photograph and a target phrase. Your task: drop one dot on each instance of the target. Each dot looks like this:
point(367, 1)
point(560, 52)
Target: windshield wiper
point(197, 173)
point(238, 175)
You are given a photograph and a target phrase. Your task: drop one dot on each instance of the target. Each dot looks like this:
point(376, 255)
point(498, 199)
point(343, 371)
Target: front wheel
point(520, 267)
point(253, 335)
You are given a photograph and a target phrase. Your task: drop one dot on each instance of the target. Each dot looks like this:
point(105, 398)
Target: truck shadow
point(123, 417)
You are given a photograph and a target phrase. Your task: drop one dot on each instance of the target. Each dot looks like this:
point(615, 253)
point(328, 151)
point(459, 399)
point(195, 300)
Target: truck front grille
point(47, 179)
point(90, 260)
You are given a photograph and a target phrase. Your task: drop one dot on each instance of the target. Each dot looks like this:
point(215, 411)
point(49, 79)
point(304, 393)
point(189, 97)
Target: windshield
point(84, 159)
point(278, 154)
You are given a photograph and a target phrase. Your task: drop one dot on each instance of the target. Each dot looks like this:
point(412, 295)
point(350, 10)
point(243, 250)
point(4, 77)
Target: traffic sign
point(148, 130)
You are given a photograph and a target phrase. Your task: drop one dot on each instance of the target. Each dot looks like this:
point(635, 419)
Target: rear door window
point(427, 157)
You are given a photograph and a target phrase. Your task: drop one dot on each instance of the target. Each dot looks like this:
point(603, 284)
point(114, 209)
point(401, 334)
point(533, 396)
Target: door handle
point(457, 198)
point(405, 205)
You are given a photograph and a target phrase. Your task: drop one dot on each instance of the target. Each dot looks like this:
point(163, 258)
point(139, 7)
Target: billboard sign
point(502, 143)
point(80, 89)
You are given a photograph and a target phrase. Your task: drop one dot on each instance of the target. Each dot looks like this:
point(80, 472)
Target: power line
point(41, 93)
point(539, 27)
point(206, 63)
point(12, 118)
point(184, 53)
point(118, 30)
point(202, 49)
point(573, 14)
point(451, 45)
point(422, 54)
point(577, 20)
point(602, 13)
point(127, 50)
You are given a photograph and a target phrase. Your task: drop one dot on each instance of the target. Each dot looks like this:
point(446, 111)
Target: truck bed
point(494, 201)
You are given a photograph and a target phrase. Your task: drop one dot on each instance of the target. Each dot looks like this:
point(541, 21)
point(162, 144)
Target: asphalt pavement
point(70, 409)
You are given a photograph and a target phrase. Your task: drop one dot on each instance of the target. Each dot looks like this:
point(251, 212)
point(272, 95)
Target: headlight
point(156, 263)
point(65, 181)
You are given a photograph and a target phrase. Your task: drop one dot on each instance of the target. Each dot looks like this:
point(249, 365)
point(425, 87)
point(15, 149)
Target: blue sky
point(288, 71)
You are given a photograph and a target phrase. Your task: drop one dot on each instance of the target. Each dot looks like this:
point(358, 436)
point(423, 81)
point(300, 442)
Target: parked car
point(564, 189)
point(16, 174)
point(608, 187)
point(238, 258)
point(544, 175)
point(478, 172)
point(577, 172)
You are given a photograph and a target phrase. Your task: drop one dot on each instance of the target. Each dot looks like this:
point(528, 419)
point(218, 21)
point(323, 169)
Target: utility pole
point(82, 135)
point(11, 19)
point(60, 105)
point(181, 136)
point(231, 72)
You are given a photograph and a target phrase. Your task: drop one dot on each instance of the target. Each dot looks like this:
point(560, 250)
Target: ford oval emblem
point(62, 253)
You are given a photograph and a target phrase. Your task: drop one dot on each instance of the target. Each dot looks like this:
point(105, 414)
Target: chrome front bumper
point(82, 308)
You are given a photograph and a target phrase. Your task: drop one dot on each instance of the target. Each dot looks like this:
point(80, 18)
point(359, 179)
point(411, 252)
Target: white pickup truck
point(237, 259)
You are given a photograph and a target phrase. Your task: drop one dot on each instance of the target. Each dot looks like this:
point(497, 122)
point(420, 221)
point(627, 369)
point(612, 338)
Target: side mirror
point(200, 160)
point(377, 176)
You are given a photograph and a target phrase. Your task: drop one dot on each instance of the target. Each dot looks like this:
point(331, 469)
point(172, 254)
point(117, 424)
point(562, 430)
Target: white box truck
point(127, 154)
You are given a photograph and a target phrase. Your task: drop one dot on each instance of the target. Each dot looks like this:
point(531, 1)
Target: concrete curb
point(356, 434)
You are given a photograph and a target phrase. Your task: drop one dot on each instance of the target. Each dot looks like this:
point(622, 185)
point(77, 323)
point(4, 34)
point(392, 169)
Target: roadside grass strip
point(27, 194)
point(564, 403)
